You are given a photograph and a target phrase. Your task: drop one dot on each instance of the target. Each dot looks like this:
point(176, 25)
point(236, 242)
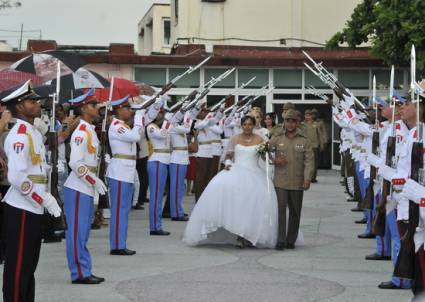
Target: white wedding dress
point(240, 202)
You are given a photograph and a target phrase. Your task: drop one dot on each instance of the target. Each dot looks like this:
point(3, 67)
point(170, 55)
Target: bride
point(239, 205)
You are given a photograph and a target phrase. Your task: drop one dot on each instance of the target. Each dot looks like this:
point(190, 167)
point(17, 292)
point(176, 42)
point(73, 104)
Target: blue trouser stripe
point(157, 172)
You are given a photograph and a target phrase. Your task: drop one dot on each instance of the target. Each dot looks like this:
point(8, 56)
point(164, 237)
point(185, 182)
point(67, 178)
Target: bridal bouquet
point(263, 149)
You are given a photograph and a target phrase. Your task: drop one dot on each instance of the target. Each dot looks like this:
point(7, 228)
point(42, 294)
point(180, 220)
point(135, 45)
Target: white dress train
point(235, 203)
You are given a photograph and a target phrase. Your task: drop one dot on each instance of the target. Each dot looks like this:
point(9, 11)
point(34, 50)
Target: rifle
point(252, 100)
point(405, 265)
point(170, 85)
point(207, 89)
point(378, 227)
point(230, 95)
point(370, 194)
point(329, 79)
point(59, 223)
point(245, 98)
point(103, 202)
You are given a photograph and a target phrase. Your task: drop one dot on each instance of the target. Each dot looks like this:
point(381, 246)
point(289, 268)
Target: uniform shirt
point(26, 157)
point(216, 146)
point(300, 161)
point(312, 133)
point(178, 139)
point(122, 141)
point(160, 140)
point(84, 155)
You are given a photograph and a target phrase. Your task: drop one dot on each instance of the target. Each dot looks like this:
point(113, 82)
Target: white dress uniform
point(25, 201)
point(178, 163)
point(158, 164)
point(121, 174)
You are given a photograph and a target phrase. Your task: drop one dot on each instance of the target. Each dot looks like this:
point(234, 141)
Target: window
point(383, 78)
point(176, 10)
point(151, 76)
point(167, 31)
point(289, 79)
point(354, 79)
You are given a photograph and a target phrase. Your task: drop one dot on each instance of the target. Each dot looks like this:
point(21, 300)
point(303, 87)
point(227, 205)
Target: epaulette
point(22, 129)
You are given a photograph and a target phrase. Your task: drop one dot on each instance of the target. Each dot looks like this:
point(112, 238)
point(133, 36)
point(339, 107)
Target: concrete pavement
point(329, 267)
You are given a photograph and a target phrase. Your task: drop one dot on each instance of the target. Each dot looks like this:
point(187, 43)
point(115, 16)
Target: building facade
point(154, 30)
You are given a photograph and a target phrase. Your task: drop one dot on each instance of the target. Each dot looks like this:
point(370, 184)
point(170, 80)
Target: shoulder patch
point(83, 127)
point(22, 129)
point(116, 123)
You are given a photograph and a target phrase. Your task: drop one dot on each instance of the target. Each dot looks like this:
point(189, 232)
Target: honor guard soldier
point(27, 197)
point(80, 189)
point(121, 171)
point(179, 161)
point(158, 164)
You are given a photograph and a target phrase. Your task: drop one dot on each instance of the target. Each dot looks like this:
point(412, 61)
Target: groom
point(294, 165)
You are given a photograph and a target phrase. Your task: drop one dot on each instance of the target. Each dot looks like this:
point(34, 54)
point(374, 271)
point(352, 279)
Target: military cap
point(291, 114)
point(86, 98)
point(314, 111)
point(288, 106)
point(307, 112)
point(20, 93)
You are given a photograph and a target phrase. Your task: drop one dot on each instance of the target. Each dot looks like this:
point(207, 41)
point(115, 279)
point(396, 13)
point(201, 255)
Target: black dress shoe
point(366, 236)
point(357, 209)
point(280, 246)
point(388, 285)
point(180, 218)
point(375, 256)
point(166, 215)
point(290, 246)
point(53, 239)
point(185, 215)
point(87, 280)
point(361, 221)
point(123, 252)
point(98, 278)
point(138, 206)
point(159, 233)
point(351, 199)
point(314, 181)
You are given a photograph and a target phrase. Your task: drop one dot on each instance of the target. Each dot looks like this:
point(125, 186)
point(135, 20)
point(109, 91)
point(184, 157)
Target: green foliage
point(9, 3)
point(391, 26)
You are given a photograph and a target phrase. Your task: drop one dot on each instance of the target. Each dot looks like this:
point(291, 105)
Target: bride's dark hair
point(248, 117)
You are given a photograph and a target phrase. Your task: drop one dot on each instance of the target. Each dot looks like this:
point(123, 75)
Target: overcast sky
point(76, 22)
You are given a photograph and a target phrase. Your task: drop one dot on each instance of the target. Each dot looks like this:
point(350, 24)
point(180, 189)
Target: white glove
point(386, 172)
point(107, 158)
point(227, 164)
point(51, 205)
point(349, 100)
point(335, 110)
point(374, 160)
point(222, 106)
point(413, 191)
point(246, 110)
point(159, 103)
point(61, 166)
point(138, 118)
point(92, 180)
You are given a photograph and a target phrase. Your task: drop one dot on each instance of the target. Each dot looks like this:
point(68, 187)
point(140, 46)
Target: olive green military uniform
point(289, 180)
point(311, 131)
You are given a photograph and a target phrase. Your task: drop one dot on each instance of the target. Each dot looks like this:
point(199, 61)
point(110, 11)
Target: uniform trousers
point(22, 237)
point(215, 165)
point(293, 200)
point(383, 243)
point(157, 179)
point(203, 168)
point(142, 170)
point(418, 284)
point(363, 185)
point(396, 230)
point(121, 194)
point(177, 176)
point(79, 210)
point(316, 163)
